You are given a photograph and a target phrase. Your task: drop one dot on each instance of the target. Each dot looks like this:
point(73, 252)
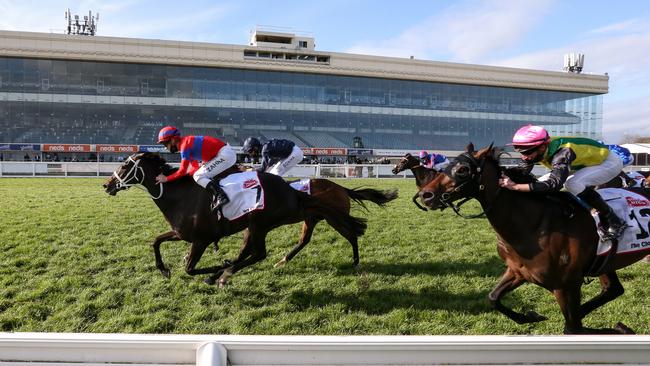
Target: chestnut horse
point(422, 174)
point(185, 206)
point(549, 240)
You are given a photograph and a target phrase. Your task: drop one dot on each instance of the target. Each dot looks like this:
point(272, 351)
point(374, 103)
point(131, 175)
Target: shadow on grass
point(492, 266)
point(377, 302)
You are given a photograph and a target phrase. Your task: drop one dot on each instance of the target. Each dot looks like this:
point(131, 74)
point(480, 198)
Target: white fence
point(65, 349)
point(93, 169)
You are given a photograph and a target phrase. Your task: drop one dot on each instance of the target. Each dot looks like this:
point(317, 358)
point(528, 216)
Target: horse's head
point(461, 179)
point(136, 169)
point(407, 162)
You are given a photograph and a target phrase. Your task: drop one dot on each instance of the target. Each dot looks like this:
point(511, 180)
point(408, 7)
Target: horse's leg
point(305, 236)
point(257, 243)
point(351, 237)
point(168, 236)
point(610, 288)
point(569, 301)
point(193, 257)
point(510, 281)
point(415, 200)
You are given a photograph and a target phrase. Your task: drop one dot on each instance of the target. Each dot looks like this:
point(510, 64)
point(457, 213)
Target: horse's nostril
point(427, 195)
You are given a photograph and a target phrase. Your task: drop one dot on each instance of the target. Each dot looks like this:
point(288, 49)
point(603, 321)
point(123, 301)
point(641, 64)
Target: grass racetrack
point(73, 259)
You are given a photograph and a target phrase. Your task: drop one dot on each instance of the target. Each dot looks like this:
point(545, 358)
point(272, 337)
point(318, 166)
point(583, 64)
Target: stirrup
point(612, 233)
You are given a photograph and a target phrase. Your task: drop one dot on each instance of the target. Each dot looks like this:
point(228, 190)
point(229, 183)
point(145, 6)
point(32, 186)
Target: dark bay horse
point(548, 240)
point(422, 174)
point(185, 206)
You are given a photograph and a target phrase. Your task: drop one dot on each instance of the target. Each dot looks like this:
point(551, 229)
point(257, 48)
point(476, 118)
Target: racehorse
point(548, 240)
point(185, 206)
point(422, 174)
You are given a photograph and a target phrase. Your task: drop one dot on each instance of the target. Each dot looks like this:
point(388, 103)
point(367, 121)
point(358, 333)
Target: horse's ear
point(469, 148)
point(138, 156)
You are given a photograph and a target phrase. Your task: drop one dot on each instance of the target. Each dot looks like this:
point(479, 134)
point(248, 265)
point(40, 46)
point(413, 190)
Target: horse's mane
point(514, 173)
point(165, 168)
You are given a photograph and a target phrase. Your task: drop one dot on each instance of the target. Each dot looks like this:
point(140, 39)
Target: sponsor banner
point(20, 147)
point(306, 150)
point(151, 148)
point(117, 148)
point(67, 148)
point(328, 151)
point(364, 152)
point(386, 152)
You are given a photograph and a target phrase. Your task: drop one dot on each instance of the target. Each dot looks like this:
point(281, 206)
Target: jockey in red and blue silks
point(203, 157)
point(434, 161)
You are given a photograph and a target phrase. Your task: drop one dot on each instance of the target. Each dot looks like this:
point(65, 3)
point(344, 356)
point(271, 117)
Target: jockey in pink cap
point(577, 163)
point(433, 161)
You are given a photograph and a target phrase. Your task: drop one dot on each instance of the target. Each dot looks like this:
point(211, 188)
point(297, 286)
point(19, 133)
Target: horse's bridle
point(474, 174)
point(131, 178)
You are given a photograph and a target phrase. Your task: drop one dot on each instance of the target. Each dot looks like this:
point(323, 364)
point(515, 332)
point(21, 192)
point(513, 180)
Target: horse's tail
point(339, 220)
point(380, 198)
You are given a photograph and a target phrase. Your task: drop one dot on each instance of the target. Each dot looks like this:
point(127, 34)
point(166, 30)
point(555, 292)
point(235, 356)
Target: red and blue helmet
point(423, 154)
point(167, 133)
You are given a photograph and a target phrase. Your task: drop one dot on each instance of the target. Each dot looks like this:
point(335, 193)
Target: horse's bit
point(132, 174)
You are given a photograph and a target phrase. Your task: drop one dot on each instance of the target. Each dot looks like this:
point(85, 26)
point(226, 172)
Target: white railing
point(45, 349)
point(95, 169)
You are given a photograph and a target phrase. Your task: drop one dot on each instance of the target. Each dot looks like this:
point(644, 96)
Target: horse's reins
point(124, 183)
point(456, 207)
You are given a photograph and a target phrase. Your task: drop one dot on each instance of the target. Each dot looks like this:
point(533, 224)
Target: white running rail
point(67, 349)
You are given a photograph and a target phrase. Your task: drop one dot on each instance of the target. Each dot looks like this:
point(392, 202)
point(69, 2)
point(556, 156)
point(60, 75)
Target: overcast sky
point(614, 35)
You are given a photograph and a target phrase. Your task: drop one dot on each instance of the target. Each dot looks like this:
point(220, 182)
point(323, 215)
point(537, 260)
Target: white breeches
point(594, 175)
point(224, 160)
point(289, 162)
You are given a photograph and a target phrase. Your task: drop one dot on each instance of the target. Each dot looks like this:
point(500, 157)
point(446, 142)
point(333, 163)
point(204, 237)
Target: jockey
point(433, 161)
point(278, 155)
point(590, 163)
point(201, 156)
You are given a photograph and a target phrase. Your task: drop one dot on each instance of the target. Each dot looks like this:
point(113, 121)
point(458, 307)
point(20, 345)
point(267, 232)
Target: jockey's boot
point(613, 225)
point(219, 197)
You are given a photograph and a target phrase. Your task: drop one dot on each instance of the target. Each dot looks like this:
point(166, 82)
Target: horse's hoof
point(281, 263)
point(209, 281)
point(166, 273)
point(534, 317)
point(623, 329)
point(223, 283)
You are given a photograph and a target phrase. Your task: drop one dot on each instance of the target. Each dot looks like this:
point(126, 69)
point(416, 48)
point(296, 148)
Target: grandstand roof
point(151, 51)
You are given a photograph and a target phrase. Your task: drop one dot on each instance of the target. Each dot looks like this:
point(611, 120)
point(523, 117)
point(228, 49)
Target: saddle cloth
point(637, 177)
point(302, 185)
point(634, 209)
point(245, 192)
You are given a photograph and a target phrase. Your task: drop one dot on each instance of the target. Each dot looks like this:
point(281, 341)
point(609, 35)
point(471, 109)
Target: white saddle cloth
point(245, 192)
point(634, 209)
point(302, 185)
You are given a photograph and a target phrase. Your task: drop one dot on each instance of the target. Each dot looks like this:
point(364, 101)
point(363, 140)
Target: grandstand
point(98, 90)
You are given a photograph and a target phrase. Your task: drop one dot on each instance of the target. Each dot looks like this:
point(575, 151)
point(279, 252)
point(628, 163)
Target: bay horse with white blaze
point(185, 205)
point(546, 239)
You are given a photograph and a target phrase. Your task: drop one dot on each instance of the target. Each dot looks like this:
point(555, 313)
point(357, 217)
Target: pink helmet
point(530, 136)
point(423, 154)
point(166, 133)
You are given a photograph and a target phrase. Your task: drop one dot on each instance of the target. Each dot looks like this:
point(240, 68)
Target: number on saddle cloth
point(634, 209)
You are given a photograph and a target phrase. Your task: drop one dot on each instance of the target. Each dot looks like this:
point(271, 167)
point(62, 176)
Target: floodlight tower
point(87, 28)
point(573, 62)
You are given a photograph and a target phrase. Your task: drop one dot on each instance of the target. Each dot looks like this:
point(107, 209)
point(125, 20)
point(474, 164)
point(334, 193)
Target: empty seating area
point(118, 132)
